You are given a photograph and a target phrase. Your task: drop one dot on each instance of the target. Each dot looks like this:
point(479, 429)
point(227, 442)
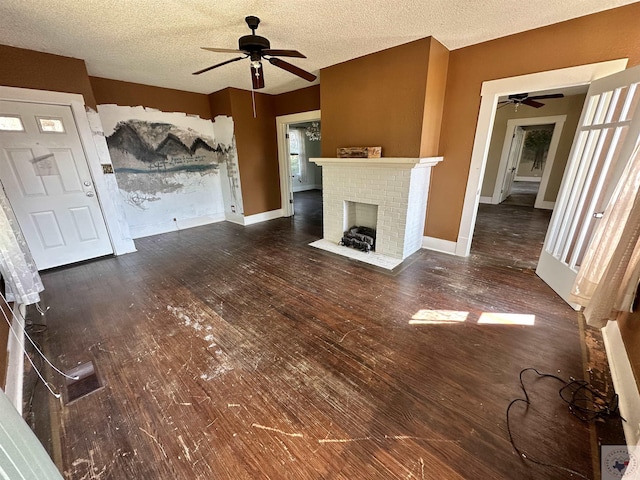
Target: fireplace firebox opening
point(359, 226)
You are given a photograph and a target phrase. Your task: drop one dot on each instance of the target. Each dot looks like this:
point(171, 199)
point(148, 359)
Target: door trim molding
point(282, 123)
point(491, 90)
point(624, 382)
point(106, 189)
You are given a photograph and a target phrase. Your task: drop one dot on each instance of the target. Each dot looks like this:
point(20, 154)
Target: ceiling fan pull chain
point(253, 101)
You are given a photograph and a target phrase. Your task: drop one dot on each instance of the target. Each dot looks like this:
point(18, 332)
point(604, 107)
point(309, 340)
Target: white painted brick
point(399, 196)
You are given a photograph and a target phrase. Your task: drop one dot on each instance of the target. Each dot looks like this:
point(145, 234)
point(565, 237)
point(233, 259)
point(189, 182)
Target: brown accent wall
point(434, 99)
point(603, 36)
point(117, 92)
point(376, 100)
point(257, 150)
point(220, 103)
point(256, 139)
point(302, 100)
point(629, 324)
point(44, 71)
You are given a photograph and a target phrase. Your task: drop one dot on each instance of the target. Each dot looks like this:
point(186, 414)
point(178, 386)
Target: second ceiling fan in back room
point(257, 48)
point(524, 99)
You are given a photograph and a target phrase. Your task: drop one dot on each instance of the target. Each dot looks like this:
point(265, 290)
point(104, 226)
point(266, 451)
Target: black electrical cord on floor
point(585, 402)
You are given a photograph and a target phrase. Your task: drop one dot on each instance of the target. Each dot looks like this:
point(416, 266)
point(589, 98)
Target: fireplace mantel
point(393, 162)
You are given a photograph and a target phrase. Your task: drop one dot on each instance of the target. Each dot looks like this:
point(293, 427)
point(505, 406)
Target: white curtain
point(17, 267)
point(608, 277)
point(297, 138)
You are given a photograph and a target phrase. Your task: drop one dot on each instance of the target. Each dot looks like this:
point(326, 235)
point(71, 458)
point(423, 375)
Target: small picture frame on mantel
point(359, 152)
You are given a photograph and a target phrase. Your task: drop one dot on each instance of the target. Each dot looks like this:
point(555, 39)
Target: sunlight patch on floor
point(428, 317)
point(451, 317)
point(506, 319)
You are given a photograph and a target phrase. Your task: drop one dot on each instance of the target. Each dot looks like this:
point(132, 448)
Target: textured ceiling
point(156, 42)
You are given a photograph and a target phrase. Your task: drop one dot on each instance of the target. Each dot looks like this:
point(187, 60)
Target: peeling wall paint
point(173, 170)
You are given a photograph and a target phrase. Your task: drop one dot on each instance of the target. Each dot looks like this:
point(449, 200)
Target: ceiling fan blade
point(222, 50)
point(283, 53)
point(218, 65)
point(532, 103)
point(518, 96)
point(542, 97)
point(292, 69)
point(257, 77)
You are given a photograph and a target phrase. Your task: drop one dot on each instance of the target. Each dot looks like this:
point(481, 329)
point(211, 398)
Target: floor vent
point(86, 383)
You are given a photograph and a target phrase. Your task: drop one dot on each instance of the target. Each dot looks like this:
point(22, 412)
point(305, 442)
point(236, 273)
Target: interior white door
point(515, 151)
point(607, 133)
point(45, 175)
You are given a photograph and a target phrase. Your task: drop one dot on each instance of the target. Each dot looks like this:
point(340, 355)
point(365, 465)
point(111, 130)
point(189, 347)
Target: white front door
point(45, 175)
point(608, 131)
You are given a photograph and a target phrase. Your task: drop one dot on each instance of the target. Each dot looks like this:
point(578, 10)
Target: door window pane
point(50, 125)
point(11, 123)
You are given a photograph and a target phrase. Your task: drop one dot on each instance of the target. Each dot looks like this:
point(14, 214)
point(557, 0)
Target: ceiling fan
point(525, 99)
point(257, 48)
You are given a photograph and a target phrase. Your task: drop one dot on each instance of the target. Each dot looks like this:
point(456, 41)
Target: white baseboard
point(439, 245)
point(527, 179)
point(164, 227)
point(624, 382)
point(251, 219)
point(545, 204)
point(262, 217)
point(234, 218)
point(15, 358)
point(486, 200)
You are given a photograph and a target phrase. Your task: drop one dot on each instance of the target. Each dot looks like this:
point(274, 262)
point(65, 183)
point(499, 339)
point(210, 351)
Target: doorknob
point(87, 183)
point(90, 194)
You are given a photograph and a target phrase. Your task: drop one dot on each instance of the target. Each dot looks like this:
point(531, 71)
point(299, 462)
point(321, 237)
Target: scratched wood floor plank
point(243, 353)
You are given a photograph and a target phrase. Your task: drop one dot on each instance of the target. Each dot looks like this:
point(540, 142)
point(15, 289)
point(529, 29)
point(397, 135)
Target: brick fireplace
point(388, 194)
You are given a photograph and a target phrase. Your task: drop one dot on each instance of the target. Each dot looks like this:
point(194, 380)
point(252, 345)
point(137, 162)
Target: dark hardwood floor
point(523, 194)
point(234, 352)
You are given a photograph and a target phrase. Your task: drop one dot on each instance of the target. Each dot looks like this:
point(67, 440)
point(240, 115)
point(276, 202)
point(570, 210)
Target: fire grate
point(360, 238)
point(87, 382)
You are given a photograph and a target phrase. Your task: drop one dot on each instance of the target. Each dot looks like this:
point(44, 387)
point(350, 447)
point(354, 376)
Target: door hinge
point(286, 135)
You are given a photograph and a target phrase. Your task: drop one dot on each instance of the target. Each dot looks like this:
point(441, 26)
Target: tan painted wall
point(116, 92)
point(44, 71)
point(570, 106)
point(376, 100)
point(603, 36)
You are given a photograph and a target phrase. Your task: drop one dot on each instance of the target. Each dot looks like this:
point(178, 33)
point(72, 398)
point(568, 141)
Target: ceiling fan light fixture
point(256, 48)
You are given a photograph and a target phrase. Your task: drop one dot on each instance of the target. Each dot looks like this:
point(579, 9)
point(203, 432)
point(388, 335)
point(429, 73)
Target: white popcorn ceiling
point(156, 42)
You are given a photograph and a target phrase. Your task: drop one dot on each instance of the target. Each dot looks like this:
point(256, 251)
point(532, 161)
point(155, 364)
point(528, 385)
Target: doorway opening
point(529, 150)
point(524, 171)
point(491, 93)
point(299, 140)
